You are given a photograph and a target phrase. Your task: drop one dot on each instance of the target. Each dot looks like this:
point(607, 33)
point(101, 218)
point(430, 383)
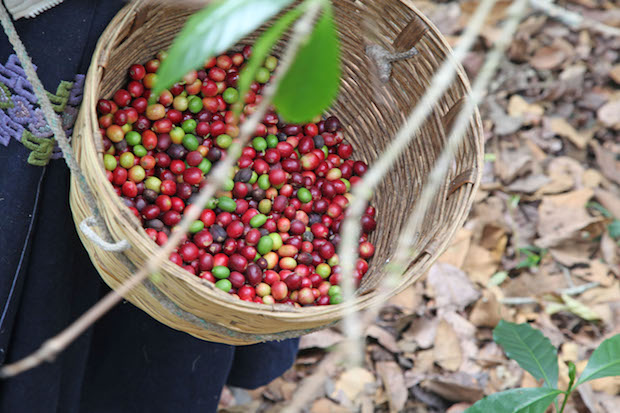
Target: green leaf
point(572, 371)
point(312, 82)
point(530, 400)
point(213, 30)
point(604, 362)
point(263, 46)
point(530, 348)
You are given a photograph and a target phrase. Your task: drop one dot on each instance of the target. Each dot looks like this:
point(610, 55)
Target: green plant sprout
point(533, 256)
point(536, 355)
point(310, 85)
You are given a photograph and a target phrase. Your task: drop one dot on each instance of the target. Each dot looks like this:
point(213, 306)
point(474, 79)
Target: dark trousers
point(127, 362)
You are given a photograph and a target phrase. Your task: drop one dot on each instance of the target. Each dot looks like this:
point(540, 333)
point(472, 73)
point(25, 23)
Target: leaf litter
point(539, 245)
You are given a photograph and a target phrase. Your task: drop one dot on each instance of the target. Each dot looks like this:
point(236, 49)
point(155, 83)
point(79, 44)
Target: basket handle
point(85, 227)
point(403, 46)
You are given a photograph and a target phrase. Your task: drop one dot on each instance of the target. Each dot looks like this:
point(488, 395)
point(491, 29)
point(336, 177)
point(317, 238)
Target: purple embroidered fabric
point(19, 111)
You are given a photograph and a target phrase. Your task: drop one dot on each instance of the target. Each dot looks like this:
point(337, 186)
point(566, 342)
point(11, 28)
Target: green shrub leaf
point(263, 46)
point(530, 400)
point(604, 362)
point(530, 348)
point(311, 84)
point(213, 30)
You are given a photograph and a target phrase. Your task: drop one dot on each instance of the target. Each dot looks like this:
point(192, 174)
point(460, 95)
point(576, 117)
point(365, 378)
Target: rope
point(119, 246)
point(384, 59)
point(50, 116)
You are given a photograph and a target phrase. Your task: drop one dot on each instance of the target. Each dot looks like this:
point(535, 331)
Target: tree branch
point(348, 251)
point(50, 349)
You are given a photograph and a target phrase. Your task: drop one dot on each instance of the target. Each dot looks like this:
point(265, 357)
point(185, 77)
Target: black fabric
point(128, 362)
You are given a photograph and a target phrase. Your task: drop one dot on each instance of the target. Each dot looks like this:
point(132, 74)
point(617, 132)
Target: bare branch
point(307, 389)
point(50, 349)
point(348, 252)
point(572, 19)
point(441, 167)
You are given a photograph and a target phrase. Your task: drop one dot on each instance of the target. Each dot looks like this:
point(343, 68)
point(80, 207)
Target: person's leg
point(258, 364)
point(137, 364)
point(59, 284)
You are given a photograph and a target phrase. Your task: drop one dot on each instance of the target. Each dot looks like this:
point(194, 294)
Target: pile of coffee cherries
point(270, 234)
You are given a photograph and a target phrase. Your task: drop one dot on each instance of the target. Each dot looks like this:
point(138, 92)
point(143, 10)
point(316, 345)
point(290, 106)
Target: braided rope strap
point(85, 227)
point(55, 125)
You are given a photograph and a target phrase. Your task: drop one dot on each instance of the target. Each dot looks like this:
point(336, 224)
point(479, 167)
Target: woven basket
point(371, 113)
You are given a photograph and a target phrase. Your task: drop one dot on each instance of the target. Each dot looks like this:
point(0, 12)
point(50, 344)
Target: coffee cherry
point(189, 252)
point(368, 223)
point(281, 210)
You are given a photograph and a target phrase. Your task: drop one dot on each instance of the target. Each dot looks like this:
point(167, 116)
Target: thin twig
point(442, 165)
point(576, 290)
point(50, 348)
point(311, 385)
point(572, 19)
point(305, 391)
point(348, 251)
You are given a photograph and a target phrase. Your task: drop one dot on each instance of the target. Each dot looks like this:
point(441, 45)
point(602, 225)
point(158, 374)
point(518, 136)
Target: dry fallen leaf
point(458, 408)
point(571, 254)
point(609, 250)
point(451, 286)
point(324, 405)
point(609, 114)
point(547, 58)
point(498, 12)
point(564, 173)
point(447, 349)
point(385, 339)
point(394, 384)
point(529, 184)
point(609, 200)
point(610, 167)
point(614, 73)
point(609, 385)
point(424, 361)
point(466, 333)
point(486, 311)
point(353, 382)
point(589, 399)
point(480, 264)
point(514, 162)
point(456, 387)
point(457, 251)
point(320, 339)
point(422, 331)
point(519, 107)
point(602, 295)
point(591, 178)
point(597, 271)
point(564, 129)
point(563, 217)
point(280, 389)
point(409, 300)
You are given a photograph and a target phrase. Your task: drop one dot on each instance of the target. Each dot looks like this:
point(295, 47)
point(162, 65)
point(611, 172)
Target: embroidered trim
point(41, 148)
point(22, 119)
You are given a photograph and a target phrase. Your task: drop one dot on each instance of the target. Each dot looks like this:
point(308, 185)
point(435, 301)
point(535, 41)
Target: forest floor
point(541, 244)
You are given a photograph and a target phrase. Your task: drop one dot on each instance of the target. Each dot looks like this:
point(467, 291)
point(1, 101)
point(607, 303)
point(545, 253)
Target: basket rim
point(95, 76)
